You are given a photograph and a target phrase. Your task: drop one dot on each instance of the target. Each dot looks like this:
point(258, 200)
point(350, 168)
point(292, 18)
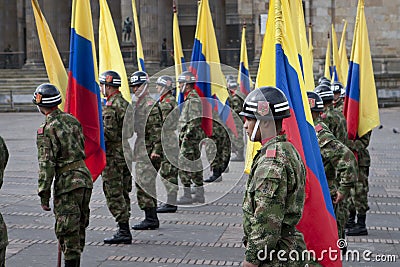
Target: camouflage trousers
point(341, 217)
point(169, 176)
point(3, 241)
point(117, 184)
point(3, 257)
point(190, 165)
point(221, 149)
point(145, 182)
point(359, 194)
point(237, 141)
point(72, 217)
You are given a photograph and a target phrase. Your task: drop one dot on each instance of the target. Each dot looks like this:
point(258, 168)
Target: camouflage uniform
point(359, 201)
point(338, 105)
point(3, 228)
point(60, 144)
point(340, 168)
point(336, 123)
point(148, 123)
point(236, 102)
point(117, 179)
point(168, 170)
point(274, 201)
point(190, 136)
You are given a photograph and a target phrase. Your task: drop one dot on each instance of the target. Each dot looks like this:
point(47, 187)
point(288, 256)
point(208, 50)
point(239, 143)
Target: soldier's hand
point(248, 264)
point(338, 198)
point(154, 156)
point(46, 208)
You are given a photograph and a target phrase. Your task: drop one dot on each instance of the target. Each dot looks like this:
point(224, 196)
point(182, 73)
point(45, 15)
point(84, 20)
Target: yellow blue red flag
point(139, 48)
point(328, 69)
point(110, 57)
point(52, 60)
point(361, 102)
point(280, 67)
point(343, 60)
point(310, 45)
point(244, 74)
point(205, 65)
point(83, 93)
point(180, 64)
point(336, 71)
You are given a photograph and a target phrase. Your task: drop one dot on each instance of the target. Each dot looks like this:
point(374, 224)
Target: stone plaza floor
point(208, 235)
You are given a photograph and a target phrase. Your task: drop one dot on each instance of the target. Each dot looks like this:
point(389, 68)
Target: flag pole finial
point(244, 23)
point(174, 6)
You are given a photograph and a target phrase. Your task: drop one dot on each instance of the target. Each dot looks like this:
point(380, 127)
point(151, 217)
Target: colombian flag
point(83, 94)
point(361, 103)
point(205, 64)
point(180, 65)
point(344, 63)
point(139, 48)
point(280, 67)
point(328, 69)
point(336, 71)
point(52, 60)
point(244, 75)
point(110, 57)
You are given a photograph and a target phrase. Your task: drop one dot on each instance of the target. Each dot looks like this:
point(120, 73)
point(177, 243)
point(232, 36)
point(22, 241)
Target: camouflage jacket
point(148, 123)
point(338, 105)
point(339, 162)
point(170, 118)
point(336, 123)
point(60, 142)
point(274, 197)
point(114, 124)
point(3, 162)
point(360, 146)
point(190, 120)
point(237, 101)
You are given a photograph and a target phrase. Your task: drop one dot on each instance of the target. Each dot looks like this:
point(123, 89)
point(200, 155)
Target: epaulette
point(323, 115)
point(318, 127)
point(270, 153)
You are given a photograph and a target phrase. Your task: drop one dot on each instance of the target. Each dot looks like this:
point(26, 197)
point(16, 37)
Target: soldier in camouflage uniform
point(168, 170)
point(359, 203)
point(274, 196)
point(147, 150)
point(190, 136)
point(334, 119)
point(337, 88)
point(117, 179)
point(339, 163)
point(3, 228)
point(61, 154)
point(236, 101)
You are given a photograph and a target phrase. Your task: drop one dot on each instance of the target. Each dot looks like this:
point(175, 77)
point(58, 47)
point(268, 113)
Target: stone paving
point(208, 235)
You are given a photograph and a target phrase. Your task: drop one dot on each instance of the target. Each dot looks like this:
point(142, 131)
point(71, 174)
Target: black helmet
point(324, 92)
point(315, 101)
point(46, 95)
point(138, 78)
point(337, 87)
point(165, 81)
point(232, 84)
point(186, 77)
point(111, 78)
point(327, 83)
point(323, 78)
point(260, 101)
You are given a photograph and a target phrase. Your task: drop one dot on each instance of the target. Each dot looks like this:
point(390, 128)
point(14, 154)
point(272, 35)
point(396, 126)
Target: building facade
point(19, 34)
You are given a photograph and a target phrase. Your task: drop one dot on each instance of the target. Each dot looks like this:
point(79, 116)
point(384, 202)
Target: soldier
point(147, 150)
point(3, 228)
point(339, 163)
point(274, 196)
point(237, 99)
point(359, 204)
point(117, 179)
point(61, 154)
point(334, 119)
point(168, 170)
point(323, 79)
point(337, 88)
point(190, 136)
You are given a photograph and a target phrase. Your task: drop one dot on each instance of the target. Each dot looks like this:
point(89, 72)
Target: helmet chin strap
point(183, 88)
point(143, 91)
point(253, 134)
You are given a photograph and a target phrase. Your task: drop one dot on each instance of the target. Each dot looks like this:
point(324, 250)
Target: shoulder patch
point(108, 103)
point(323, 115)
point(40, 130)
point(318, 127)
point(150, 102)
point(168, 100)
point(270, 153)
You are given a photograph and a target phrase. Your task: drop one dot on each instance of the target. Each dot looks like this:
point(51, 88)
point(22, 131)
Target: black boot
point(351, 222)
point(199, 195)
point(123, 235)
point(360, 228)
point(216, 177)
point(150, 221)
point(72, 263)
point(186, 198)
point(170, 206)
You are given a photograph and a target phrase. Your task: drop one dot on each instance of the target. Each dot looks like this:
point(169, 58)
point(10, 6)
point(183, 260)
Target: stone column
point(34, 57)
